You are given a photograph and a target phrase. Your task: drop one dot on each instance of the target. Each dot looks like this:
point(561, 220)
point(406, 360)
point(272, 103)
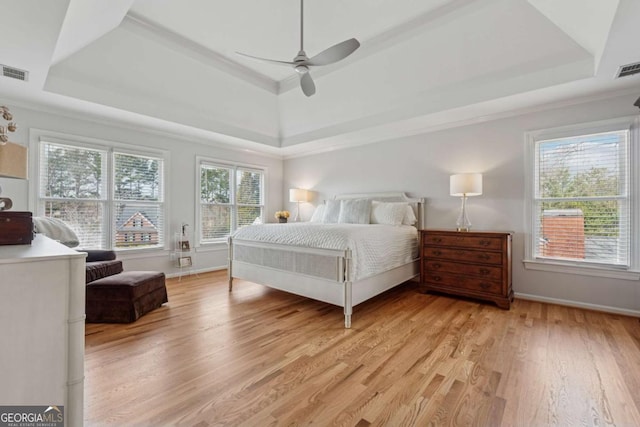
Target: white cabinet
point(42, 293)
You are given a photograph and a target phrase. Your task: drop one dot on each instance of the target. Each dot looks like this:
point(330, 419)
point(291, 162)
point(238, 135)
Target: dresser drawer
point(454, 281)
point(477, 256)
point(483, 271)
point(464, 241)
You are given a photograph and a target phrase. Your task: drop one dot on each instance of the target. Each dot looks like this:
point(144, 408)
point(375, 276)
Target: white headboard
point(393, 196)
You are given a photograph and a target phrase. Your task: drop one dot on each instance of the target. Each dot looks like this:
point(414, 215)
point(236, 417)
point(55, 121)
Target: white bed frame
point(340, 290)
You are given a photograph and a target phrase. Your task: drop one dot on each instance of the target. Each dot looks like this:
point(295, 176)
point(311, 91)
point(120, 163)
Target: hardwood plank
point(258, 356)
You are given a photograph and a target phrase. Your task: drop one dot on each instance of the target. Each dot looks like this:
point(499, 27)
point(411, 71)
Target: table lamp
point(298, 195)
point(465, 185)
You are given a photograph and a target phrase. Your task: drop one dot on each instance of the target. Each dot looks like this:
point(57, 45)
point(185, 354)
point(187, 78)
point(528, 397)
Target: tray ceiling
point(422, 64)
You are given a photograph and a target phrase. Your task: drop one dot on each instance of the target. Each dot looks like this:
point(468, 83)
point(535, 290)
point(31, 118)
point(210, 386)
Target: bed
point(340, 264)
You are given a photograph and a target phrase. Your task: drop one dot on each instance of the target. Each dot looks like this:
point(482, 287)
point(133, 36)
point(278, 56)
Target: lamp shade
point(298, 195)
point(13, 161)
point(465, 184)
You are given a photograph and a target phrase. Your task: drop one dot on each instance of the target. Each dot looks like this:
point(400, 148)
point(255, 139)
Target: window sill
point(140, 253)
point(213, 246)
point(558, 267)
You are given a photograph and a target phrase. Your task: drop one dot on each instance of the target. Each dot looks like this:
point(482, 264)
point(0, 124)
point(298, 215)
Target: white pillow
point(318, 213)
point(355, 211)
point(331, 212)
point(409, 217)
point(388, 213)
point(56, 229)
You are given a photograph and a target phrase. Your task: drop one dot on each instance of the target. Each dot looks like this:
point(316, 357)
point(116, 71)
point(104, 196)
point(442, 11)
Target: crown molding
point(149, 125)
point(148, 29)
point(374, 135)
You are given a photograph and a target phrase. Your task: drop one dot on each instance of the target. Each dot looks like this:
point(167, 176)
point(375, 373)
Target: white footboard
point(320, 274)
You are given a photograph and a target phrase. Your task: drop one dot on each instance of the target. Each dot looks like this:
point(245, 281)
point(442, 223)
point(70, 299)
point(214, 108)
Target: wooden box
point(16, 228)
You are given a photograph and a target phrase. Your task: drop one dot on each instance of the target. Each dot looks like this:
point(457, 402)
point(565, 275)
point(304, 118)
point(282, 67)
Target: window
point(230, 197)
point(108, 196)
point(581, 196)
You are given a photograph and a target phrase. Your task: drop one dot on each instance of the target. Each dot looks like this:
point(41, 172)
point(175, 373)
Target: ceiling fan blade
point(307, 85)
point(335, 53)
point(275, 61)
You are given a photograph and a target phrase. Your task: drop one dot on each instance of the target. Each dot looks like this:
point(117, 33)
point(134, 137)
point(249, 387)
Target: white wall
point(421, 166)
point(181, 194)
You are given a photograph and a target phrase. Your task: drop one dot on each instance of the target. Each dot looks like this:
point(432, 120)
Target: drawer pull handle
point(6, 219)
point(484, 271)
point(485, 242)
point(436, 265)
point(437, 278)
point(437, 253)
point(436, 240)
point(485, 286)
point(484, 257)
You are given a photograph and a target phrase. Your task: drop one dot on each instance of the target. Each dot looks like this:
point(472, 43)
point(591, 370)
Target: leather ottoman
point(124, 297)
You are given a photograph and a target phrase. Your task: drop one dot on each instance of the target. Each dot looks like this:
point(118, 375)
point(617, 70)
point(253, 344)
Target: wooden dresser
point(474, 264)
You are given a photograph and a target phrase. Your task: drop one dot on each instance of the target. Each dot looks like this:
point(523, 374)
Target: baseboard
point(569, 303)
point(193, 271)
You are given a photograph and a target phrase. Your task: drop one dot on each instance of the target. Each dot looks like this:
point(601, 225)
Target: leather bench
point(124, 297)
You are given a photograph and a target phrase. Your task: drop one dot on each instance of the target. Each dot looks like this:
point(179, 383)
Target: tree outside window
point(231, 197)
point(582, 198)
point(74, 186)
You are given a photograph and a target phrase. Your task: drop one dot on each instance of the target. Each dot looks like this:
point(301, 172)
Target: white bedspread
point(375, 247)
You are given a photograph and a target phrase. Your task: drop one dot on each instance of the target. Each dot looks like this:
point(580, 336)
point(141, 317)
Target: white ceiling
point(271, 28)
point(422, 65)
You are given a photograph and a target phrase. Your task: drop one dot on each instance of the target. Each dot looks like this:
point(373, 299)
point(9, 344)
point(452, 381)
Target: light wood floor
point(262, 357)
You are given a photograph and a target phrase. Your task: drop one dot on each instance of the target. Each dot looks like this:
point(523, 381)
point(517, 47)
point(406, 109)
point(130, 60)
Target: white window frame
point(566, 266)
point(38, 136)
point(234, 166)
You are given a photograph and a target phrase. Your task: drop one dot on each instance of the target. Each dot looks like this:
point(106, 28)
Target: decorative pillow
point(409, 217)
point(56, 229)
point(331, 212)
point(318, 213)
point(355, 211)
point(388, 213)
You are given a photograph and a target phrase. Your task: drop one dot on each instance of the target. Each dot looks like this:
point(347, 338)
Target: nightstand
point(474, 264)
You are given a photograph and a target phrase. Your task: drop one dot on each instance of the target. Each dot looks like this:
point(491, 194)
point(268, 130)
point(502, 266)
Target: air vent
point(628, 70)
point(14, 73)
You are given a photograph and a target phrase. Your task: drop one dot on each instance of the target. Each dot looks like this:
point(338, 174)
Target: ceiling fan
point(302, 62)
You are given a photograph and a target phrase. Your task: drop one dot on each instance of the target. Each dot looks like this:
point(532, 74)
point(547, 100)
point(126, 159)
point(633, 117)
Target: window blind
point(231, 197)
point(215, 202)
point(581, 204)
point(121, 207)
point(73, 188)
point(248, 197)
point(138, 219)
